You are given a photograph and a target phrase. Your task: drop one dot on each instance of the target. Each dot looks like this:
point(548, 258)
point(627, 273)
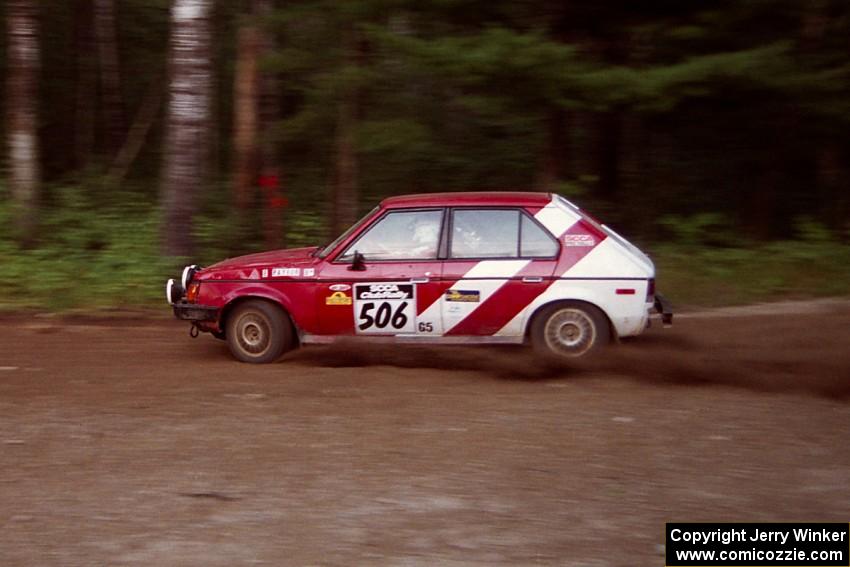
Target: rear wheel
point(259, 332)
point(570, 329)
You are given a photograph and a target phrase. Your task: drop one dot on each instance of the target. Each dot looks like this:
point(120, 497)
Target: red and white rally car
point(495, 267)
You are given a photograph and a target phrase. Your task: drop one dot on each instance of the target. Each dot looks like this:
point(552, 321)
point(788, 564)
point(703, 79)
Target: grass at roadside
point(85, 261)
point(712, 277)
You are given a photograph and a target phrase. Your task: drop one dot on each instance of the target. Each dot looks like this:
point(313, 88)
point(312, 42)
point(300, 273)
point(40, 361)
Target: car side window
point(483, 233)
point(400, 235)
point(536, 242)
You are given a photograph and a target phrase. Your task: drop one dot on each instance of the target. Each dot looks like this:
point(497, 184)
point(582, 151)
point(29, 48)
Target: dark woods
point(263, 123)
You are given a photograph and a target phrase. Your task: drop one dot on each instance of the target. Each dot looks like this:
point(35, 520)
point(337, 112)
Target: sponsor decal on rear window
point(579, 240)
point(463, 296)
point(338, 298)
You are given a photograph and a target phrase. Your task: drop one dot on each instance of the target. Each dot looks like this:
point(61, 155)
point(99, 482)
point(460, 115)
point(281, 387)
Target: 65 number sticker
point(385, 308)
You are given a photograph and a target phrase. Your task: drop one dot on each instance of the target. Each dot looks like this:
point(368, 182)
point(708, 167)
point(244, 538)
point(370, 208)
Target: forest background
point(142, 134)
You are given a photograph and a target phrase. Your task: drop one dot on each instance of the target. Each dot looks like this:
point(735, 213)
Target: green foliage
point(88, 254)
point(98, 248)
point(702, 229)
point(815, 263)
point(102, 254)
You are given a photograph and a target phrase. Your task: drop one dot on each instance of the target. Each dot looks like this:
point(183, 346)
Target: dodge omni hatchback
point(494, 267)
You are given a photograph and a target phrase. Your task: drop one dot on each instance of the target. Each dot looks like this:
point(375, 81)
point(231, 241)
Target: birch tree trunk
point(21, 101)
point(187, 121)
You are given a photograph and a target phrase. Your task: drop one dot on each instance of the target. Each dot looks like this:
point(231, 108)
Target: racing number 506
point(383, 316)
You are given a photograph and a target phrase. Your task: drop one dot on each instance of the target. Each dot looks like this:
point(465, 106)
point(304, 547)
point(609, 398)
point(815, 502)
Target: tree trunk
point(255, 109)
point(553, 165)
point(138, 132)
point(345, 197)
point(110, 74)
point(187, 121)
point(245, 117)
point(21, 102)
point(830, 169)
point(632, 167)
point(832, 187)
point(345, 191)
point(275, 199)
point(85, 88)
point(610, 142)
point(557, 163)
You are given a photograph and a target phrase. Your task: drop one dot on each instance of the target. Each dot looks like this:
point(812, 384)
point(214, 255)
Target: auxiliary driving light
point(188, 274)
point(173, 291)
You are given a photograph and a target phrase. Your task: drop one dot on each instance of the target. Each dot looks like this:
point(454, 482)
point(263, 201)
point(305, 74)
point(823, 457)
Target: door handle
point(418, 280)
point(532, 279)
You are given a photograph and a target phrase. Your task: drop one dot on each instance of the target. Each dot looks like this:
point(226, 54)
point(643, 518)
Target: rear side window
point(536, 242)
point(498, 233)
point(485, 234)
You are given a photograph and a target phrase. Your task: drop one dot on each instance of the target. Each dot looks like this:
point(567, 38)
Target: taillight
point(650, 291)
point(192, 292)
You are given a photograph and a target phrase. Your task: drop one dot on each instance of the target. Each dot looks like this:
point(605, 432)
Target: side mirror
point(358, 263)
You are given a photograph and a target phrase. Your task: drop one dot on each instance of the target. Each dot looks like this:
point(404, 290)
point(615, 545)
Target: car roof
point(514, 198)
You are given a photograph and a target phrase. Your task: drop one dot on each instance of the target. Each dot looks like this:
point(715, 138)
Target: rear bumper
point(664, 309)
point(192, 312)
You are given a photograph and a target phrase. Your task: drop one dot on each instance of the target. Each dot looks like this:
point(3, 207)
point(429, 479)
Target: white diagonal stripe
point(492, 269)
point(486, 278)
point(556, 219)
point(606, 260)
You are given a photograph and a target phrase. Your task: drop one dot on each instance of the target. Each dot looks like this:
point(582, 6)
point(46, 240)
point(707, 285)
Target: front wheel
point(570, 329)
point(258, 332)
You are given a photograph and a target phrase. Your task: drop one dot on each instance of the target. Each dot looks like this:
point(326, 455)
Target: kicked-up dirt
point(128, 443)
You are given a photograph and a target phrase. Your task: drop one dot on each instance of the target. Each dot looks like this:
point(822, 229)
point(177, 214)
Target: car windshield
point(342, 237)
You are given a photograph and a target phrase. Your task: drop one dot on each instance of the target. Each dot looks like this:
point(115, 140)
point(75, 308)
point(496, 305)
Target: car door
point(399, 277)
point(498, 261)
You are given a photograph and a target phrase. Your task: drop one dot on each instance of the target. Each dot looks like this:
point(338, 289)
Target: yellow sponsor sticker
point(338, 298)
point(463, 296)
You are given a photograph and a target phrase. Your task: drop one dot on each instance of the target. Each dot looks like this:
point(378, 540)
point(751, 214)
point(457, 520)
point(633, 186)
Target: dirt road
point(131, 444)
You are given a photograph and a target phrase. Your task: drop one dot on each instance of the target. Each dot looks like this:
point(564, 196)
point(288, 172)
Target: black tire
point(570, 329)
point(259, 332)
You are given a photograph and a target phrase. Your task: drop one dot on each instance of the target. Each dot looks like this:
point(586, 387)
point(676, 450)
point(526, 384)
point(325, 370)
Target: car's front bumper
point(192, 312)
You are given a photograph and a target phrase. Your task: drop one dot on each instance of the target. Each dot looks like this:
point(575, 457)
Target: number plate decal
point(385, 308)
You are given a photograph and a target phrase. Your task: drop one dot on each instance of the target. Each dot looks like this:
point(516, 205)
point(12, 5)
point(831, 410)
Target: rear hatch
point(633, 251)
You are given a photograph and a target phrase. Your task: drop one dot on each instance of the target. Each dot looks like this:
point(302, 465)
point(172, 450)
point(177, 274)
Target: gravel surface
point(128, 443)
